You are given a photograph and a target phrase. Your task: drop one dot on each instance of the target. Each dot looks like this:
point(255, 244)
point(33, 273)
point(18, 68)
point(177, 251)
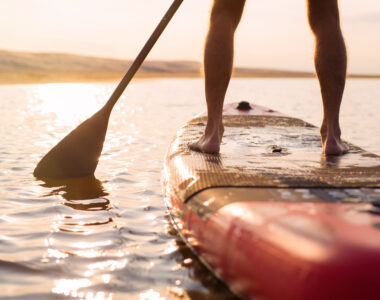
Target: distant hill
point(11, 61)
point(25, 67)
point(51, 67)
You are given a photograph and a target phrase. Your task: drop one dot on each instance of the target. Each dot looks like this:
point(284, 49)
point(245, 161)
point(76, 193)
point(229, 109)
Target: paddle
point(78, 153)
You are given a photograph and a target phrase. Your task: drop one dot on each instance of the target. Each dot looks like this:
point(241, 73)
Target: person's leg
point(218, 63)
point(330, 64)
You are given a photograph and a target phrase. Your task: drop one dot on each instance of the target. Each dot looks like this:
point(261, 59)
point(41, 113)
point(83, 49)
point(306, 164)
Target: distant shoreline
point(39, 78)
point(29, 67)
point(12, 78)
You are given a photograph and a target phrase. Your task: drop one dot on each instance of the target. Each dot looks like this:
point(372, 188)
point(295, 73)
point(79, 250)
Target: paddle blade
point(78, 153)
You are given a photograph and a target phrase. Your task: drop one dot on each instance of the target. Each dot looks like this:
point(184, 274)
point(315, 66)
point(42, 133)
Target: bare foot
point(331, 142)
point(334, 147)
point(210, 141)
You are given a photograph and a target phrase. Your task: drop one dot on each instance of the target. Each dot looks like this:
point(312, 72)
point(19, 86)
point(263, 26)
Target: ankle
point(330, 130)
point(214, 126)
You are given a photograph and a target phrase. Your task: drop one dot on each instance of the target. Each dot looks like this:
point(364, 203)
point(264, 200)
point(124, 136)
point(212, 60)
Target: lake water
point(110, 237)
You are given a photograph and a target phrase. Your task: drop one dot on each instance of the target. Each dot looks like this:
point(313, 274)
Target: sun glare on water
point(70, 103)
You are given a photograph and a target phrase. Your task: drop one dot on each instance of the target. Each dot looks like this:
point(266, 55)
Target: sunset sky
point(273, 33)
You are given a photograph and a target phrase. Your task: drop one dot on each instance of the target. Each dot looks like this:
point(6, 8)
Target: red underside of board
point(292, 255)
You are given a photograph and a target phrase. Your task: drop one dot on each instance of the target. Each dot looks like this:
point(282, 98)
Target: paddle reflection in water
point(83, 193)
point(83, 239)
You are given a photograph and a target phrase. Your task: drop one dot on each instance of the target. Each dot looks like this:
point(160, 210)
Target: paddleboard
point(272, 216)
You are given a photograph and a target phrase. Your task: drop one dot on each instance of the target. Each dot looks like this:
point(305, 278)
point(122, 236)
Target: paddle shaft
point(78, 153)
point(143, 54)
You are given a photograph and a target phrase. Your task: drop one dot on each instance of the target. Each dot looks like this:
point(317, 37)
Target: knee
point(323, 16)
point(227, 12)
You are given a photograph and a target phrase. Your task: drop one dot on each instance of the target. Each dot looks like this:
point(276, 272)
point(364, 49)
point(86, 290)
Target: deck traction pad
point(265, 151)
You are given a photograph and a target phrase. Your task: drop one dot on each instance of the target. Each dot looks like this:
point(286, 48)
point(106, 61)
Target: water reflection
point(84, 193)
point(214, 288)
point(85, 231)
point(330, 161)
point(69, 102)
